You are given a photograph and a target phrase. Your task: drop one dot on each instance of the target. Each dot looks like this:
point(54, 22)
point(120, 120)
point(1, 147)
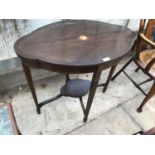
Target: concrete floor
point(113, 112)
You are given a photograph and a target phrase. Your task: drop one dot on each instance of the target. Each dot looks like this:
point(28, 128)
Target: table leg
point(112, 70)
point(94, 84)
point(31, 85)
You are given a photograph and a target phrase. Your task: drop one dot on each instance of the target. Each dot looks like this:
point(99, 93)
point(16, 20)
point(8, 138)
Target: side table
point(74, 47)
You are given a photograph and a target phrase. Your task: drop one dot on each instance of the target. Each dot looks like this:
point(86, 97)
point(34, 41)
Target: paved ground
point(113, 112)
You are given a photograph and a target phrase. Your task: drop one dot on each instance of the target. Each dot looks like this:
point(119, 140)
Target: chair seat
point(76, 88)
point(146, 56)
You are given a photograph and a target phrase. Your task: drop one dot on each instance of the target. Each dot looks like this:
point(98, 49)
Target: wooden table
point(72, 47)
point(8, 125)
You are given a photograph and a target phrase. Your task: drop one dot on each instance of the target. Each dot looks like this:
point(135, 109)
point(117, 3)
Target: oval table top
point(75, 44)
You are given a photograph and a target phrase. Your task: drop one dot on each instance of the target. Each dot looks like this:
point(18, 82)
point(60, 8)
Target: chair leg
point(148, 80)
point(137, 69)
point(148, 97)
point(112, 70)
point(122, 69)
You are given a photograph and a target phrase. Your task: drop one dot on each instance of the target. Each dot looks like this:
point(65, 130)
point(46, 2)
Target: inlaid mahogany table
point(74, 47)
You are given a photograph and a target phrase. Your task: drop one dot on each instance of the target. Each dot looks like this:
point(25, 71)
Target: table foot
point(85, 119)
point(38, 111)
point(139, 110)
point(104, 89)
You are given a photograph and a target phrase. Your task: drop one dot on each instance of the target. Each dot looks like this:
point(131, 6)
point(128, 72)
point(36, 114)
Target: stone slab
point(114, 122)
point(146, 119)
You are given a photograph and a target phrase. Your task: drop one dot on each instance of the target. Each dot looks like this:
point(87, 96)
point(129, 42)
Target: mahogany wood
point(75, 46)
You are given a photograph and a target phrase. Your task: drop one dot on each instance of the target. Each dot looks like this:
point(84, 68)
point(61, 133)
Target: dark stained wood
point(74, 46)
point(32, 88)
point(76, 88)
point(94, 84)
point(112, 70)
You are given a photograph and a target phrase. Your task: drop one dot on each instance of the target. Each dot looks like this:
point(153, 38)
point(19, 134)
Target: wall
point(12, 29)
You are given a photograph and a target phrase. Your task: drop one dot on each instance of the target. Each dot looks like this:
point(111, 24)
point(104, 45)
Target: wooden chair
point(144, 58)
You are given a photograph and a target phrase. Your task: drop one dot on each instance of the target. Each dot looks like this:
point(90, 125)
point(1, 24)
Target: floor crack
point(132, 118)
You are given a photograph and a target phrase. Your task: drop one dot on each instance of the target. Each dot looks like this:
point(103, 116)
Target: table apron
point(35, 64)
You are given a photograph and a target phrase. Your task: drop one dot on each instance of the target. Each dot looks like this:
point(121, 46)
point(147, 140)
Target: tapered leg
point(31, 85)
point(82, 105)
point(149, 95)
point(122, 69)
point(94, 84)
point(112, 70)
